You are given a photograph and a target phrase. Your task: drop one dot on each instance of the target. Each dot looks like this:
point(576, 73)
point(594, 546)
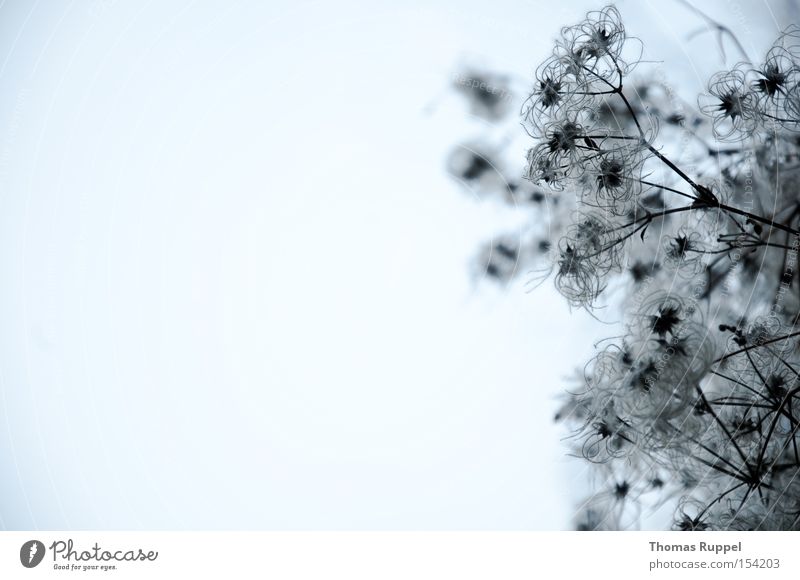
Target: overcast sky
point(236, 282)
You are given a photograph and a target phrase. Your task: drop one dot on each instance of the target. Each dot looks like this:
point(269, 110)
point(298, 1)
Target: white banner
point(396, 555)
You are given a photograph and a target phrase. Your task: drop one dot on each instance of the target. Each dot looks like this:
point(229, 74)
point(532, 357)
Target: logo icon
point(31, 553)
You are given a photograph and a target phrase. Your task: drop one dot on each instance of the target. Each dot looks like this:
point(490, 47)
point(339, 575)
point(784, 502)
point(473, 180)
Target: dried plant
point(686, 220)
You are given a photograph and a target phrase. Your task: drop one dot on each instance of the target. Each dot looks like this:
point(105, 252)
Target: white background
point(402, 555)
point(234, 277)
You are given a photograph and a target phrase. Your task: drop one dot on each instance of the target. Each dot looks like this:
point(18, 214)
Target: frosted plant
point(687, 223)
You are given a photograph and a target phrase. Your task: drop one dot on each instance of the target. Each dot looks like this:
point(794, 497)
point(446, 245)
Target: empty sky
point(236, 286)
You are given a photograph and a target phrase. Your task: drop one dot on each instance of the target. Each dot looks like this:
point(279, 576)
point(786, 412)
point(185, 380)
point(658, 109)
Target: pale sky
point(236, 279)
